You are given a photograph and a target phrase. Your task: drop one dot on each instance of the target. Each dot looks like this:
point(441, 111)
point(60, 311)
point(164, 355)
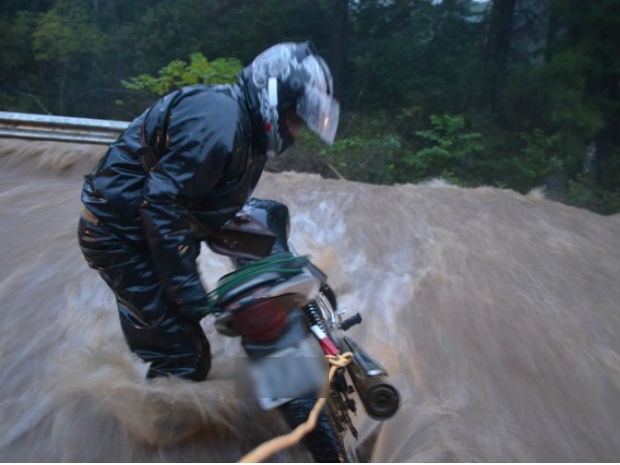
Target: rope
point(279, 443)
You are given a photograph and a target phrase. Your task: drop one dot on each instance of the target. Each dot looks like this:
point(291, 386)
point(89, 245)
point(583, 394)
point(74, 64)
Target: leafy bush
point(583, 193)
point(367, 159)
point(537, 160)
point(448, 147)
point(177, 74)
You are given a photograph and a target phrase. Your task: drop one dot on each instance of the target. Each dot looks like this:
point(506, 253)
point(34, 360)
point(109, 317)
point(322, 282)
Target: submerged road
point(496, 314)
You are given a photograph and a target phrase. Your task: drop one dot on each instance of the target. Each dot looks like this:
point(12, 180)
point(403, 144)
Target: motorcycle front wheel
point(324, 443)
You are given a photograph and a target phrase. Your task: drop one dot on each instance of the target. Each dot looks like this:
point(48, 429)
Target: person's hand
point(198, 310)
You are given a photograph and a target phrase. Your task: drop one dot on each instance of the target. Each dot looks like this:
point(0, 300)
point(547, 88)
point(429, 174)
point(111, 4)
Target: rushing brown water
point(496, 314)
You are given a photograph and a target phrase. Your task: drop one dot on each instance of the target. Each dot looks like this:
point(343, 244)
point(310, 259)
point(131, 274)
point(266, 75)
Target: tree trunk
point(497, 47)
point(500, 29)
point(61, 89)
point(339, 33)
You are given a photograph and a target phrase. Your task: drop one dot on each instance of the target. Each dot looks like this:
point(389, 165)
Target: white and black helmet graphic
point(294, 75)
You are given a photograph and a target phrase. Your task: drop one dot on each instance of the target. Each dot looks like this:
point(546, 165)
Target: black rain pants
point(152, 329)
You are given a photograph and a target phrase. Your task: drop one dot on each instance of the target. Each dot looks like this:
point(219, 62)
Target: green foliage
point(570, 104)
point(425, 88)
point(368, 159)
point(584, 193)
point(179, 73)
point(447, 146)
point(63, 37)
point(64, 32)
point(367, 151)
point(537, 160)
point(412, 53)
point(579, 194)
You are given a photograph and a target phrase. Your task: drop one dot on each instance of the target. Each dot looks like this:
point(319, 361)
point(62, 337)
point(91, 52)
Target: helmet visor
point(320, 112)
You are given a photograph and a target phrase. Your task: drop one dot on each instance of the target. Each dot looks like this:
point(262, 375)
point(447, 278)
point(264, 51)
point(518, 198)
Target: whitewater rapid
point(496, 314)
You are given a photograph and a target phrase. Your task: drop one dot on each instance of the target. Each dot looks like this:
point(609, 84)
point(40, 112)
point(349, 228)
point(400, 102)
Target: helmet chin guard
point(291, 75)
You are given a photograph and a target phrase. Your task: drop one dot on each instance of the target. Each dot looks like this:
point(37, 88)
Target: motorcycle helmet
point(291, 80)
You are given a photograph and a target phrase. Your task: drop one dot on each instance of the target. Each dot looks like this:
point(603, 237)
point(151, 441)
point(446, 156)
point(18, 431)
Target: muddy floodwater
point(497, 316)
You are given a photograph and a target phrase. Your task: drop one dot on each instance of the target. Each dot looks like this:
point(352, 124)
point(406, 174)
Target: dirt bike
point(288, 319)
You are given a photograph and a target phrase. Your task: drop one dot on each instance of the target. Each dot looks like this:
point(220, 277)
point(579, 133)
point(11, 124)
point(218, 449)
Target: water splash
point(496, 315)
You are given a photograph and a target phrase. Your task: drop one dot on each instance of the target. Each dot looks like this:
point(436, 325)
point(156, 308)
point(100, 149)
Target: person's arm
point(198, 150)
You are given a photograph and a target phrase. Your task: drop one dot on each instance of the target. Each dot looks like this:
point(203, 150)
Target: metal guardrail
point(60, 128)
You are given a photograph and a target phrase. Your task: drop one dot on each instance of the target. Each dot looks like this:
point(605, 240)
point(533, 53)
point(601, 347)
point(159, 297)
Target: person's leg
point(172, 346)
point(152, 329)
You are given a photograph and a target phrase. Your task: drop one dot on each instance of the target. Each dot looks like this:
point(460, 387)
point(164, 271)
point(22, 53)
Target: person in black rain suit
point(187, 165)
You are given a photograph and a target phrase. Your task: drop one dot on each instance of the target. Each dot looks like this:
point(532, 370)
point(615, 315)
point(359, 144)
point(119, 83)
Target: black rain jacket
point(210, 145)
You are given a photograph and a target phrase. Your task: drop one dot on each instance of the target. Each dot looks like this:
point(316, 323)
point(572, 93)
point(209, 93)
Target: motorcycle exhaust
point(379, 398)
